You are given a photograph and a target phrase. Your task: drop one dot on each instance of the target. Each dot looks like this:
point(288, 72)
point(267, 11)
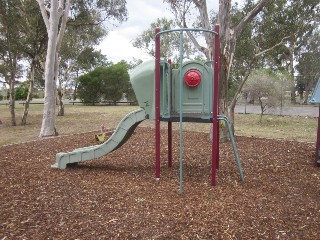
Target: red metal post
point(318, 141)
point(215, 125)
point(170, 123)
point(157, 102)
point(217, 57)
point(169, 144)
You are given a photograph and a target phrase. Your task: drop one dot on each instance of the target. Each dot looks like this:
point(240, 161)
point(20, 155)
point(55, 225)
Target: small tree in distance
point(268, 88)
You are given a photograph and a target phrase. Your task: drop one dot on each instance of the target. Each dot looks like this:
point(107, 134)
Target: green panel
point(196, 99)
point(142, 80)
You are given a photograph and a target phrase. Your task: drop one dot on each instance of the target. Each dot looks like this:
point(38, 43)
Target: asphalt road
point(299, 110)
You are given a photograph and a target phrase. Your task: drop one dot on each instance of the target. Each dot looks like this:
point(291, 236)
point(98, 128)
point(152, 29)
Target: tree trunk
point(60, 102)
point(262, 109)
point(291, 71)
point(225, 54)
point(306, 96)
point(29, 97)
point(12, 81)
point(48, 122)
point(59, 92)
point(12, 101)
point(55, 23)
point(74, 95)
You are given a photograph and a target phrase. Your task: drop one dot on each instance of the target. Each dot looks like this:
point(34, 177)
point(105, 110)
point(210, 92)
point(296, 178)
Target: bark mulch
point(117, 196)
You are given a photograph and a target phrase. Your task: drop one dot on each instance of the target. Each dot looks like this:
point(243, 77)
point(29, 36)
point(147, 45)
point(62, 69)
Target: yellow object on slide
point(101, 137)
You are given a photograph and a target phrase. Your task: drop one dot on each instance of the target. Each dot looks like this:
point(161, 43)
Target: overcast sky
point(118, 44)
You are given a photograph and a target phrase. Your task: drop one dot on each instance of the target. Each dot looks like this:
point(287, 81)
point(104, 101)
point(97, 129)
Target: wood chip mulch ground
point(117, 196)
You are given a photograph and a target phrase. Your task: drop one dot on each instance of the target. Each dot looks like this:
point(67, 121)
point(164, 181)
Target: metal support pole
point(215, 106)
point(317, 162)
point(169, 111)
point(217, 46)
point(181, 111)
point(157, 102)
point(169, 144)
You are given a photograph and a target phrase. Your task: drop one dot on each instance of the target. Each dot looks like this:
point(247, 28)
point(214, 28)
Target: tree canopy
point(104, 84)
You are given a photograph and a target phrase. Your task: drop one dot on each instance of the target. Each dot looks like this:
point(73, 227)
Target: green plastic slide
point(123, 132)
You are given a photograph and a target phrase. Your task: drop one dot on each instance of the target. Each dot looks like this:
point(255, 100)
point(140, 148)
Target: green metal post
point(181, 109)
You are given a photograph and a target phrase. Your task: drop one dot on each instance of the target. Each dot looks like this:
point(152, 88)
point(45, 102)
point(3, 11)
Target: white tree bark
point(55, 32)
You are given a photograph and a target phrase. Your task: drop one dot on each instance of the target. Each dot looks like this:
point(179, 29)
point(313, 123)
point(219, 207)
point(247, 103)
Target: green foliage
point(115, 81)
point(295, 20)
point(10, 39)
point(146, 39)
point(90, 58)
point(22, 92)
point(104, 83)
point(308, 64)
point(89, 86)
point(169, 42)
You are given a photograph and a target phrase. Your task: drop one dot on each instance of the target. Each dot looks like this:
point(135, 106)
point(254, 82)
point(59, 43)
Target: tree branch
point(205, 22)
point(63, 23)
point(249, 69)
point(44, 13)
point(238, 29)
point(180, 13)
point(273, 47)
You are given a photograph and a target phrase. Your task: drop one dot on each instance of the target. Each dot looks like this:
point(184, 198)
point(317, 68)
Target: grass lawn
point(79, 119)
point(280, 127)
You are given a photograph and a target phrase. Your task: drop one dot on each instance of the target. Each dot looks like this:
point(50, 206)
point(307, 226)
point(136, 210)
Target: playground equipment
point(315, 99)
point(186, 94)
point(117, 139)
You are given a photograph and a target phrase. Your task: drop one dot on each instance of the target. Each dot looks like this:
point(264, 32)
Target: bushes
point(22, 92)
point(104, 84)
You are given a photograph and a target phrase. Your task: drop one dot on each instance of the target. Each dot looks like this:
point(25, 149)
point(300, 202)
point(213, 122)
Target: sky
point(117, 45)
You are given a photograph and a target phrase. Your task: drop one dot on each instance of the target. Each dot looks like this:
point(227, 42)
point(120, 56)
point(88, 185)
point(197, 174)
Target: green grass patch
point(272, 126)
point(77, 119)
point(80, 118)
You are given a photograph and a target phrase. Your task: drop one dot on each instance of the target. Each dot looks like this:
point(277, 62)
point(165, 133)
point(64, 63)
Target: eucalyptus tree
point(293, 20)
point(33, 46)
point(266, 41)
point(308, 66)
point(56, 15)
point(254, 45)
point(10, 48)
